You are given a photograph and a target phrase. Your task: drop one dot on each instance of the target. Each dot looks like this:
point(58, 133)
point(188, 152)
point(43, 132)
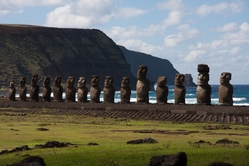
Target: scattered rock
point(49, 144)
point(42, 129)
point(226, 141)
point(178, 159)
point(92, 144)
point(142, 141)
point(30, 161)
point(219, 164)
point(17, 149)
point(217, 127)
point(53, 144)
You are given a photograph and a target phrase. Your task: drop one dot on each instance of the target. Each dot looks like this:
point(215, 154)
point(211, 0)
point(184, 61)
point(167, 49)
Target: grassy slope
point(112, 135)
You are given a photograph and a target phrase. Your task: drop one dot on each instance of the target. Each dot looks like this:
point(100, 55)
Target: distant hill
point(156, 66)
point(27, 50)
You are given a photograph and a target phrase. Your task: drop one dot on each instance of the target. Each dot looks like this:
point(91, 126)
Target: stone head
point(46, 81)
point(95, 81)
point(22, 81)
point(34, 80)
point(81, 82)
point(57, 81)
point(141, 72)
point(125, 82)
point(203, 78)
point(70, 81)
point(12, 83)
point(179, 79)
point(225, 77)
point(108, 81)
point(161, 81)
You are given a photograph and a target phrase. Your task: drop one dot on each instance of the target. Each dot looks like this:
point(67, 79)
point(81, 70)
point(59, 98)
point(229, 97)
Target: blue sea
point(240, 95)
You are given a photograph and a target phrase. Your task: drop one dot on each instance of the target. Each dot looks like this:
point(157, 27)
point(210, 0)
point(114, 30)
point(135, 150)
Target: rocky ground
point(165, 112)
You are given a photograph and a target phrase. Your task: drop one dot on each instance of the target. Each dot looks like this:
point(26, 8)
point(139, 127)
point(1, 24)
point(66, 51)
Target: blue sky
point(187, 33)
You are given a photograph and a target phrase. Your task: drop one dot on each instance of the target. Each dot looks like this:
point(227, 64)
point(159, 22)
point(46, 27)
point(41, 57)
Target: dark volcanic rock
point(31, 161)
point(53, 144)
point(226, 141)
point(142, 141)
point(219, 164)
point(178, 159)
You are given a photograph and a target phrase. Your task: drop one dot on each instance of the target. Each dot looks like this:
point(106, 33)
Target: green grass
point(112, 135)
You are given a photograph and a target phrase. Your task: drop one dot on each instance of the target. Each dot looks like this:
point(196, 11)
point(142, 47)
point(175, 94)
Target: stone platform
point(164, 112)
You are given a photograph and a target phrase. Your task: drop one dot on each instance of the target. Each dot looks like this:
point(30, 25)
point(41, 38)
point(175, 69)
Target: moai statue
point(46, 92)
point(12, 91)
point(143, 85)
point(162, 90)
point(82, 90)
point(34, 88)
point(23, 89)
point(57, 89)
point(203, 90)
point(95, 89)
point(225, 89)
point(109, 90)
point(179, 90)
point(70, 90)
point(125, 91)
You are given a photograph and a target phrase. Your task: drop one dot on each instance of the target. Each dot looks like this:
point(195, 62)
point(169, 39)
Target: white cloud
point(224, 7)
point(170, 5)
point(89, 13)
point(239, 37)
point(234, 50)
point(228, 27)
point(139, 45)
point(185, 35)
point(129, 12)
point(192, 55)
point(17, 6)
point(173, 19)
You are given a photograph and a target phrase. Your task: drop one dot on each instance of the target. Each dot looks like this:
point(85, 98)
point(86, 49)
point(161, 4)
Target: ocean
point(240, 95)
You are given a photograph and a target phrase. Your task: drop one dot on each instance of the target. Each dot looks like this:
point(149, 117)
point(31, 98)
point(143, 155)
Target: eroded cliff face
point(188, 81)
point(27, 50)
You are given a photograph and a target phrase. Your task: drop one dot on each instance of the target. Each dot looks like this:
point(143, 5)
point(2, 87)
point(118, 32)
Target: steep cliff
point(27, 50)
point(156, 66)
point(188, 81)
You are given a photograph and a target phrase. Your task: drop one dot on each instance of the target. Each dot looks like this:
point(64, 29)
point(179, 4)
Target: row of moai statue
point(203, 91)
point(82, 91)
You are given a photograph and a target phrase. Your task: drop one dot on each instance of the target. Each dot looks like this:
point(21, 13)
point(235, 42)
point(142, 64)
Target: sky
point(185, 32)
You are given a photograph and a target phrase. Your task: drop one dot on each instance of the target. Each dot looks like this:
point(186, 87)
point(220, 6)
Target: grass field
point(112, 136)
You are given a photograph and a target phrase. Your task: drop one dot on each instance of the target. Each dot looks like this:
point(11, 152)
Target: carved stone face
point(161, 81)
point(22, 81)
point(179, 79)
point(70, 81)
point(225, 77)
point(12, 83)
point(46, 81)
point(57, 81)
point(95, 81)
point(203, 78)
point(125, 82)
point(108, 81)
point(34, 80)
point(142, 71)
point(81, 82)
